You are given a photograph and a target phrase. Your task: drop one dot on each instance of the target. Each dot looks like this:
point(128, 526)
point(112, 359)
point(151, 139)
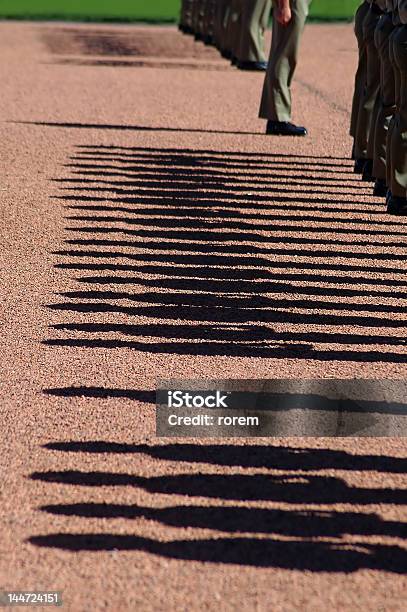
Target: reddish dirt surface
point(151, 230)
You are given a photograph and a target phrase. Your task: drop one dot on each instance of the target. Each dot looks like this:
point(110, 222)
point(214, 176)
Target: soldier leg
point(182, 15)
point(387, 103)
point(276, 97)
point(397, 87)
point(217, 23)
point(183, 19)
point(371, 90)
point(398, 184)
point(189, 9)
point(200, 29)
point(232, 29)
point(360, 77)
point(195, 16)
point(209, 22)
point(223, 14)
point(237, 30)
point(254, 15)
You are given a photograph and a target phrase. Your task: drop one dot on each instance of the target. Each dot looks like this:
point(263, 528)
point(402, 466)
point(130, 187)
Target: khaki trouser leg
point(255, 15)
point(398, 184)
point(360, 77)
point(397, 88)
point(371, 90)
point(387, 96)
point(276, 97)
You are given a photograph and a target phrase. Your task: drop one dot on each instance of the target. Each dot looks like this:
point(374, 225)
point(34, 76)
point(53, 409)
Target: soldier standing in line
point(204, 10)
point(369, 99)
point(367, 174)
point(235, 27)
point(254, 18)
point(387, 102)
point(185, 22)
point(289, 18)
point(360, 77)
point(209, 21)
point(397, 137)
point(397, 25)
point(196, 18)
point(221, 17)
point(232, 30)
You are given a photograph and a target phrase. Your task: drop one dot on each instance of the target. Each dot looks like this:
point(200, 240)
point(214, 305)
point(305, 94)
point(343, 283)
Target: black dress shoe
point(388, 196)
point(359, 165)
point(258, 66)
point(198, 37)
point(234, 61)
point(380, 188)
point(284, 128)
point(367, 174)
point(397, 206)
point(208, 40)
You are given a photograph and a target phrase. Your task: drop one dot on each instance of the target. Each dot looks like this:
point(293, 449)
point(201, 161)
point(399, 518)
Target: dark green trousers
point(186, 13)
point(222, 11)
point(232, 33)
point(360, 77)
point(397, 86)
point(209, 20)
point(276, 97)
point(387, 103)
point(369, 98)
point(398, 143)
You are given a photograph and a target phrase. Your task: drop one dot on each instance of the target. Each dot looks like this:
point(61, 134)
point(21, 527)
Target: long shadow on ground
point(304, 527)
point(229, 254)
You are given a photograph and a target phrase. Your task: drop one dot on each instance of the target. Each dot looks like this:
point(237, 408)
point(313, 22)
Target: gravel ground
point(150, 230)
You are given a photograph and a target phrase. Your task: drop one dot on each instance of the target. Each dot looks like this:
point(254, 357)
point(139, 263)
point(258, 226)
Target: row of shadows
point(215, 253)
point(200, 252)
point(297, 538)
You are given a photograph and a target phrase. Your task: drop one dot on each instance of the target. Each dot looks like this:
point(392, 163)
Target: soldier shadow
point(243, 551)
point(161, 65)
point(231, 455)
point(147, 128)
point(199, 235)
point(302, 551)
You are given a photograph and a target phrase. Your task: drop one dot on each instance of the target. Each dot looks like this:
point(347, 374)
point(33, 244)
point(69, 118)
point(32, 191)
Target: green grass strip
point(155, 11)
